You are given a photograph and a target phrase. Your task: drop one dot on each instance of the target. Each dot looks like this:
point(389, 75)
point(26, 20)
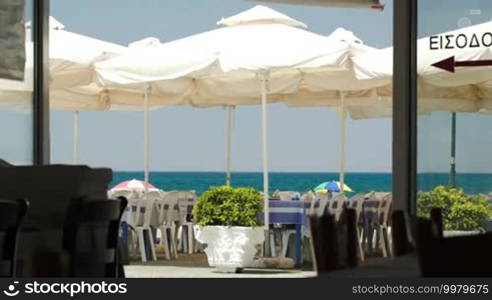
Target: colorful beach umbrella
point(332, 186)
point(134, 185)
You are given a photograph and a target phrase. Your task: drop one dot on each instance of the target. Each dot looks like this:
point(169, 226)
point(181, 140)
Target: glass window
point(16, 121)
point(454, 136)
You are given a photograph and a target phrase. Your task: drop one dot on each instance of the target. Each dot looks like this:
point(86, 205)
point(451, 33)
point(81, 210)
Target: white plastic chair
point(383, 230)
point(313, 208)
point(288, 195)
point(186, 236)
point(168, 216)
point(142, 217)
point(336, 205)
point(357, 203)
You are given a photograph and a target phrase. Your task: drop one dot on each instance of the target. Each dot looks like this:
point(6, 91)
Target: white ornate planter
point(230, 248)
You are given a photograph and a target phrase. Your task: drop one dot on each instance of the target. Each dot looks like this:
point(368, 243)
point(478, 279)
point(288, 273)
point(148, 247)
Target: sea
point(302, 182)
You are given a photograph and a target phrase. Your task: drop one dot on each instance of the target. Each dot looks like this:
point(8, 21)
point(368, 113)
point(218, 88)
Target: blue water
point(359, 182)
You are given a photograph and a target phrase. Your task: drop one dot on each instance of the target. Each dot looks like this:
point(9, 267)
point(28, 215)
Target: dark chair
point(460, 256)
point(12, 214)
point(91, 237)
point(5, 164)
point(437, 222)
point(335, 244)
point(401, 234)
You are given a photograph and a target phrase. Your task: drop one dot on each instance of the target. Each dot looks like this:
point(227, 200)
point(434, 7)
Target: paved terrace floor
point(195, 266)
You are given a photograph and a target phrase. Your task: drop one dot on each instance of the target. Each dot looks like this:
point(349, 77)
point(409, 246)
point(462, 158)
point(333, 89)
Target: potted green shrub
point(227, 222)
point(461, 212)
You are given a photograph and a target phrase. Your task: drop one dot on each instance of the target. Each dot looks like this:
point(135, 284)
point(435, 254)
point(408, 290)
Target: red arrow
point(450, 64)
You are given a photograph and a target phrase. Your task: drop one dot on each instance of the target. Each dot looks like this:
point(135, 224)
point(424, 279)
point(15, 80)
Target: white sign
point(460, 41)
point(12, 39)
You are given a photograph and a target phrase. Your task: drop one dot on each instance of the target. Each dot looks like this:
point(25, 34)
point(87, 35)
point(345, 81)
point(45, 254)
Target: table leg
point(298, 245)
point(266, 244)
point(124, 233)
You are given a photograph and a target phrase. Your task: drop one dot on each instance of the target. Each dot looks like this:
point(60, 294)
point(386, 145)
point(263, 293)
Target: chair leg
point(179, 237)
point(387, 240)
point(360, 243)
point(285, 243)
point(165, 242)
point(191, 246)
point(382, 242)
point(173, 241)
point(375, 239)
point(390, 241)
point(152, 244)
point(184, 239)
point(132, 243)
point(273, 248)
point(141, 244)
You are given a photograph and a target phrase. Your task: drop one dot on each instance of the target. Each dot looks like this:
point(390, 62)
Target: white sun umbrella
point(466, 90)
point(373, 4)
point(72, 57)
point(259, 56)
point(340, 90)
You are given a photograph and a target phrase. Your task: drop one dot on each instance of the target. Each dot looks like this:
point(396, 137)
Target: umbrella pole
point(76, 138)
point(228, 145)
point(146, 137)
point(265, 150)
point(452, 177)
point(343, 116)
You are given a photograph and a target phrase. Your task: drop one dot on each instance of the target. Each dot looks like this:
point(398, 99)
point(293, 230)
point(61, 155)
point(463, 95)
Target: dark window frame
point(405, 105)
point(41, 128)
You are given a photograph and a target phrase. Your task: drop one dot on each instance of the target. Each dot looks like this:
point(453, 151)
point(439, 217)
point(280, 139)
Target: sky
point(300, 139)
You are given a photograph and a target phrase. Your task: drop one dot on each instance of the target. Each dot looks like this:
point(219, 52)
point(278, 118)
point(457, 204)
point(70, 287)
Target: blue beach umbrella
point(332, 186)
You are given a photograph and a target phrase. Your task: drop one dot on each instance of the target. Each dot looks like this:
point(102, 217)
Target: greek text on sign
point(460, 41)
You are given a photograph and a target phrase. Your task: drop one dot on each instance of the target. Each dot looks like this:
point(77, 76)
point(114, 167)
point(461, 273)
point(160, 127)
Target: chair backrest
point(12, 214)
point(336, 205)
point(437, 222)
point(309, 196)
point(91, 237)
point(334, 243)
point(401, 233)
point(168, 208)
point(384, 208)
point(357, 203)
point(459, 256)
point(186, 202)
point(288, 195)
point(144, 210)
point(318, 206)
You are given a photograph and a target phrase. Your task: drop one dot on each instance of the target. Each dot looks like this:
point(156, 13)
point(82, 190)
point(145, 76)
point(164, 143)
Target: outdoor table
point(294, 212)
point(290, 212)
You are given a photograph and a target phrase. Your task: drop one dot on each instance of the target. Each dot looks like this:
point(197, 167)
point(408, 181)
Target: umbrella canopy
point(135, 189)
point(72, 55)
point(466, 90)
point(332, 186)
point(223, 66)
point(134, 185)
point(360, 97)
point(72, 87)
point(373, 4)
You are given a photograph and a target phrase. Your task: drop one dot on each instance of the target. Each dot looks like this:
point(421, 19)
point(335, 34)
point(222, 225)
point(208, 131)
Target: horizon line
point(298, 172)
